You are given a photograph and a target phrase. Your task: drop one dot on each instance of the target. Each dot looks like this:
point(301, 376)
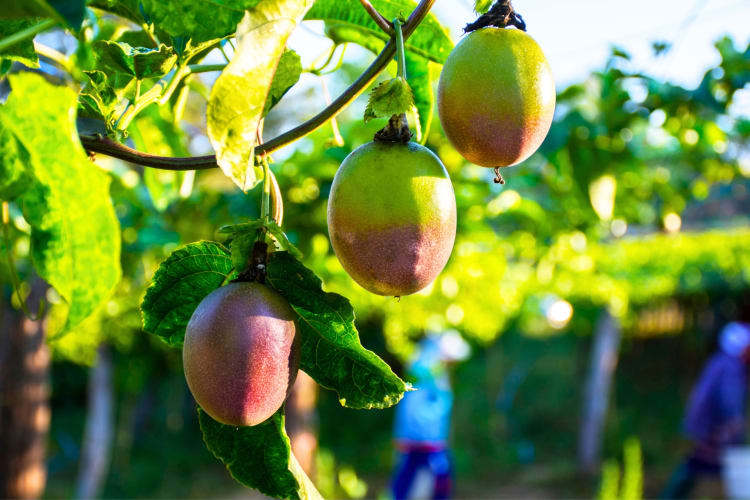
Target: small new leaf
point(241, 248)
point(392, 97)
point(243, 236)
point(259, 456)
point(139, 62)
point(101, 95)
point(331, 351)
point(281, 240)
point(180, 284)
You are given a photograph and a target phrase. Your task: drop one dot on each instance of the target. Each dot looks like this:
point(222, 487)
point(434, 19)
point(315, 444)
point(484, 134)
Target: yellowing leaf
point(75, 236)
point(238, 98)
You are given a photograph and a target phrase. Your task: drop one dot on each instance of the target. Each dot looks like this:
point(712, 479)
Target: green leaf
point(391, 97)
point(199, 20)
point(75, 236)
point(348, 33)
point(22, 51)
point(180, 284)
point(140, 62)
point(129, 9)
point(102, 93)
point(430, 39)
point(238, 98)
point(281, 240)
point(331, 351)
point(241, 247)
point(482, 6)
point(137, 38)
point(419, 73)
point(287, 75)
point(5, 65)
point(71, 12)
point(14, 158)
point(243, 237)
point(259, 456)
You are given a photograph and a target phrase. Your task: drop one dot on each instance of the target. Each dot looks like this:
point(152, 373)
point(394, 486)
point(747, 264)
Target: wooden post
point(97, 437)
point(301, 421)
point(24, 401)
point(604, 355)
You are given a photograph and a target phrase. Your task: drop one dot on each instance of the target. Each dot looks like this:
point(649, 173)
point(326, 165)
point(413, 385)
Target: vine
point(103, 145)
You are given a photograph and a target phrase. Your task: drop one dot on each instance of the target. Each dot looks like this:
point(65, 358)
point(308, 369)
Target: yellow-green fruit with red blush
point(496, 97)
point(392, 217)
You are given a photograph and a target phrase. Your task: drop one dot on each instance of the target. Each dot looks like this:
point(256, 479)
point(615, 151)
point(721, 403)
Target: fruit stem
point(265, 203)
point(397, 129)
point(400, 52)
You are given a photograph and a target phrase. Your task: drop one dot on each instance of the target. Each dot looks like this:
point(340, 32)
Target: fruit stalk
point(400, 51)
point(397, 129)
point(265, 203)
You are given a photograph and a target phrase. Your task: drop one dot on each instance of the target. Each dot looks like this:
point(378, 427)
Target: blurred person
point(424, 467)
point(716, 412)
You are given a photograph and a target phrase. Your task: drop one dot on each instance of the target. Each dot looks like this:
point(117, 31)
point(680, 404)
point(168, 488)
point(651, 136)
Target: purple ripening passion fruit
point(241, 353)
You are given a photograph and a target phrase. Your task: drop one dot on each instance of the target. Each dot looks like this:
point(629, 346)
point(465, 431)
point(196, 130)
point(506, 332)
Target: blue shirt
point(718, 397)
point(423, 415)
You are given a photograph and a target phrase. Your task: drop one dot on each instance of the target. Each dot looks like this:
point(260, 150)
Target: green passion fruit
point(241, 353)
point(496, 97)
point(392, 217)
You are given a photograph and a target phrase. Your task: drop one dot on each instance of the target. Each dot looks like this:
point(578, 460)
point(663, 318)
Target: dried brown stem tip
point(501, 15)
point(498, 176)
point(397, 130)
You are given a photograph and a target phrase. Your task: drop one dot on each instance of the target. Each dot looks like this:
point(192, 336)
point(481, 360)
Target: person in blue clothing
point(716, 412)
point(422, 424)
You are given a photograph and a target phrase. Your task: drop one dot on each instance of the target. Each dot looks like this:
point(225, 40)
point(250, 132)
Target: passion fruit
point(241, 353)
point(392, 217)
point(496, 97)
